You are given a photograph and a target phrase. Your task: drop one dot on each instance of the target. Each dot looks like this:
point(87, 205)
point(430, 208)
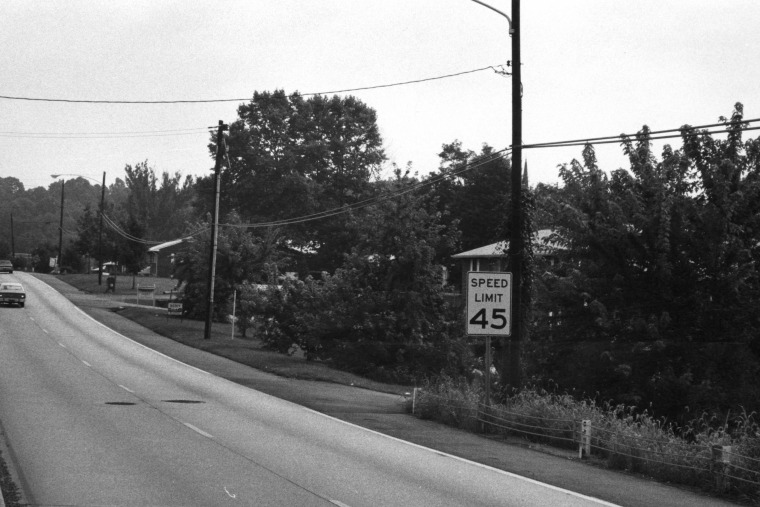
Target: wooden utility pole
point(516, 243)
point(60, 231)
point(220, 151)
point(13, 240)
point(100, 234)
point(510, 358)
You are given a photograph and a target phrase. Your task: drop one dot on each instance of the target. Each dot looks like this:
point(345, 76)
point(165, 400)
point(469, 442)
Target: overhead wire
point(653, 135)
point(104, 135)
point(125, 234)
point(375, 199)
point(208, 101)
point(121, 232)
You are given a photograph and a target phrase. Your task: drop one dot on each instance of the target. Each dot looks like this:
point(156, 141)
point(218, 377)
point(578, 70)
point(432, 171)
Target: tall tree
point(162, 205)
point(242, 257)
point(655, 293)
point(293, 157)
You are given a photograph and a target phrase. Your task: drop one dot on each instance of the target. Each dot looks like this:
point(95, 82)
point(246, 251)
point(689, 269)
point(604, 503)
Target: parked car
point(6, 266)
point(12, 293)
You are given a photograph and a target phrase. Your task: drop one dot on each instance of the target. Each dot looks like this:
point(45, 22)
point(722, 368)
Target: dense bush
point(385, 335)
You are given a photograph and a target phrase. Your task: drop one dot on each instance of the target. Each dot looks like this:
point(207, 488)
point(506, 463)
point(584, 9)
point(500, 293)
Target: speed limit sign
point(489, 303)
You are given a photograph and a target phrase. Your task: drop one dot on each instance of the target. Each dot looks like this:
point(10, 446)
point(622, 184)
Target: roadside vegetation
point(8, 489)
point(621, 437)
point(249, 350)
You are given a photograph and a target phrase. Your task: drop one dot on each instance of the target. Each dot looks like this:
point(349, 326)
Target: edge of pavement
point(384, 413)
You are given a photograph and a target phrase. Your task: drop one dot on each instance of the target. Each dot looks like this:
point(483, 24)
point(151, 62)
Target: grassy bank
point(249, 350)
point(618, 436)
point(125, 287)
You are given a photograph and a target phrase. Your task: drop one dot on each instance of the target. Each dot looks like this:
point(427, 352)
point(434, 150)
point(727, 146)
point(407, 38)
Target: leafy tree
point(241, 257)
point(472, 194)
point(476, 193)
point(161, 205)
point(131, 253)
point(382, 313)
point(655, 291)
point(293, 157)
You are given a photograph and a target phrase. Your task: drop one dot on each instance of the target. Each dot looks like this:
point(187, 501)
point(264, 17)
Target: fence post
point(584, 446)
point(721, 459)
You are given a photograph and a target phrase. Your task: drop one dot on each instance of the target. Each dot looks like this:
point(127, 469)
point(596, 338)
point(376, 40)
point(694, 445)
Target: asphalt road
point(94, 418)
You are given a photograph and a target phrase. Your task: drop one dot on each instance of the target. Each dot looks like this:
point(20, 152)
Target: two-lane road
point(94, 418)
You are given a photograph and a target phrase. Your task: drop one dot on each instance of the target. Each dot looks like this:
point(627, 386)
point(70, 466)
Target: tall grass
point(622, 436)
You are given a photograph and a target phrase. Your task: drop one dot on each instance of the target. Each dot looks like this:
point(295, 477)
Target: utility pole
point(100, 234)
point(13, 240)
point(516, 244)
point(60, 230)
point(510, 354)
point(220, 151)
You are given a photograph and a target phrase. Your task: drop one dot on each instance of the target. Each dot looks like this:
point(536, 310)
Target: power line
point(118, 230)
point(207, 101)
point(468, 166)
point(125, 234)
point(654, 135)
point(103, 135)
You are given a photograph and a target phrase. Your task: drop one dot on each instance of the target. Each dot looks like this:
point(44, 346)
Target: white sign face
point(174, 309)
point(489, 303)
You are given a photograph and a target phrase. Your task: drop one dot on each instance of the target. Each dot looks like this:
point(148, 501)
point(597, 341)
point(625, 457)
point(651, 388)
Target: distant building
point(161, 258)
point(494, 257)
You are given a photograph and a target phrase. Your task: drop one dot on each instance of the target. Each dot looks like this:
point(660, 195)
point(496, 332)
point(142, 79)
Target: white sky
point(590, 68)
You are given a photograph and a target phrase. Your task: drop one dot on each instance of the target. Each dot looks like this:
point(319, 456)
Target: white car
point(12, 293)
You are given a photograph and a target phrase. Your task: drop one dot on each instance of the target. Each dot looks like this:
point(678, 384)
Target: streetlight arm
point(497, 11)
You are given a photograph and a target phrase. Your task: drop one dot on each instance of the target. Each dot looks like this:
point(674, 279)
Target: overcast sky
point(590, 68)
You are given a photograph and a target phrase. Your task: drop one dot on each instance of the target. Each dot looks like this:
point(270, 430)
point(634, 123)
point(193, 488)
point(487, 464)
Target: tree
point(242, 257)
point(382, 313)
point(162, 206)
point(655, 292)
point(472, 194)
point(293, 157)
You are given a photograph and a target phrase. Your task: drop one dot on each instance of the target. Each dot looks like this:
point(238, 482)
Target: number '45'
point(497, 315)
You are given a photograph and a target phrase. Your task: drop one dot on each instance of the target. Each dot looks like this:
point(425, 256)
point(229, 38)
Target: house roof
point(158, 248)
point(493, 250)
point(501, 248)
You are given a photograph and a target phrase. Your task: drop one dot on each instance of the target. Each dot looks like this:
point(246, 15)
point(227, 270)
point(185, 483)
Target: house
point(161, 258)
point(494, 257)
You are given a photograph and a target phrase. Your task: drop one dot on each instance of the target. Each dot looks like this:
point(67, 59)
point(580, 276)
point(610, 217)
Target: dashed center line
point(126, 389)
point(198, 430)
point(61, 344)
point(86, 363)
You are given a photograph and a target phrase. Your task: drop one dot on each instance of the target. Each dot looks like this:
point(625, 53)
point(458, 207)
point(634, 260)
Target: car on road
point(6, 266)
point(12, 293)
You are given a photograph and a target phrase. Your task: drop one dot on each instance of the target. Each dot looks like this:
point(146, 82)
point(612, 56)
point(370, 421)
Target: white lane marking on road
point(136, 342)
point(61, 344)
point(86, 363)
point(198, 430)
point(338, 503)
point(126, 389)
point(231, 495)
point(45, 331)
point(127, 338)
